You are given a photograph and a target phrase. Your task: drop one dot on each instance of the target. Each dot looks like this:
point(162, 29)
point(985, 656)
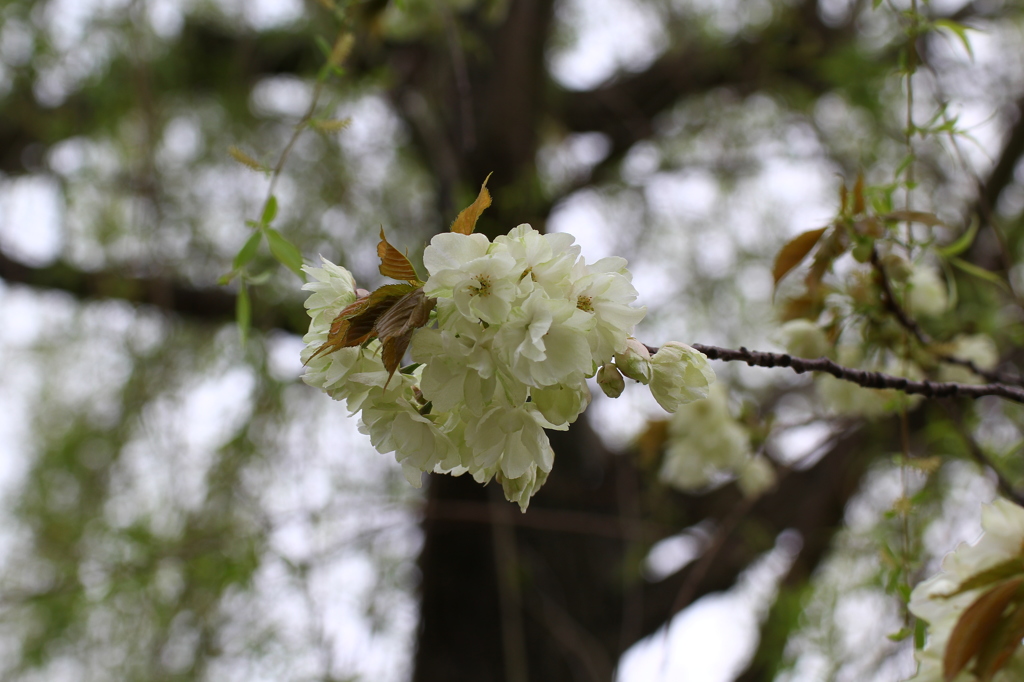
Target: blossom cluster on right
point(974, 608)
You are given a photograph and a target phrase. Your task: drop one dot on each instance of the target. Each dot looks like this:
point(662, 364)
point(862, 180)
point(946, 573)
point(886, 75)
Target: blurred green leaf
point(285, 252)
point(248, 251)
point(243, 312)
point(269, 211)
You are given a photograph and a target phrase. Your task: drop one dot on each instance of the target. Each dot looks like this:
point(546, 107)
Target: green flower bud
point(610, 380)
point(635, 361)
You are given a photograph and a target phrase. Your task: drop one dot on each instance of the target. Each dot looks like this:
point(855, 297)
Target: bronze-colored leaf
point(831, 248)
point(975, 626)
point(465, 223)
point(805, 307)
point(394, 328)
point(923, 217)
point(363, 322)
point(393, 263)
point(393, 350)
point(858, 195)
point(794, 251)
point(1003, 643)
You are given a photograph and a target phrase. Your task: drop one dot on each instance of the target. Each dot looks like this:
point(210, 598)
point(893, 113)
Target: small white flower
point(926, 292)
point(605, 291)
point(509, 440)
point(544, 342)
point(333, 289)
point(482, 287)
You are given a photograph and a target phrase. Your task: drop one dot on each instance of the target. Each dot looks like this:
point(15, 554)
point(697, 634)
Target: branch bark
point(867, 379)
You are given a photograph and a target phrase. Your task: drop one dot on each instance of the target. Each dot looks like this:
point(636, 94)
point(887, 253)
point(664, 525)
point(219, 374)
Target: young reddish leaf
point(465, 223)
point(355, 324)
point(858, 195)
point(923, 217)
point(807, 306)
point(833, 246)
point(363, 321)
point(395, 327)
point(996, 652)
point(794, 251)
point(393, 263)
point(975, 626)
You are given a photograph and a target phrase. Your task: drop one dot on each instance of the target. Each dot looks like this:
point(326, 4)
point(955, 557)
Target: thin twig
point(867, 379)
point(979, 456)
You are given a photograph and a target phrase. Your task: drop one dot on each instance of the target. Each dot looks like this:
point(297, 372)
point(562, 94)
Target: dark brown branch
point(867, 379)
point(201, 304)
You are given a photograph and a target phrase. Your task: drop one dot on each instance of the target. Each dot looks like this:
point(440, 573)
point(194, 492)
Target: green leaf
point(904, 164)
point(269, 211)
point(286, 253)
point(248, 251)
point(979, 272)
point(901, 635)
point(962, 243)
point(243, 312)
point(960, 30)
point(920, 634)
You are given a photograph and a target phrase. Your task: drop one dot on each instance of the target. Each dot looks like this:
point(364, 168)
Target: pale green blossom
point(680, 375)
point(1003, 540)
point(706, 445)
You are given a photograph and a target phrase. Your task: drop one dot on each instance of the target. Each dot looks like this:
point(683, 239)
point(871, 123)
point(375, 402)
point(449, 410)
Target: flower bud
point(756, 477)
point(635, 361)
point(680, 375)
point(610, 380)
point(804, 339)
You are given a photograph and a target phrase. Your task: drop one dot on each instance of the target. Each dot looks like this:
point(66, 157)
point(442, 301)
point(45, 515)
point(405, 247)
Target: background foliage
point(176, 505)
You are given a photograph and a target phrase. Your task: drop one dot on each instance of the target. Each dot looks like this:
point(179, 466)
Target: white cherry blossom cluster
point(982, 581)
point(518, 327)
